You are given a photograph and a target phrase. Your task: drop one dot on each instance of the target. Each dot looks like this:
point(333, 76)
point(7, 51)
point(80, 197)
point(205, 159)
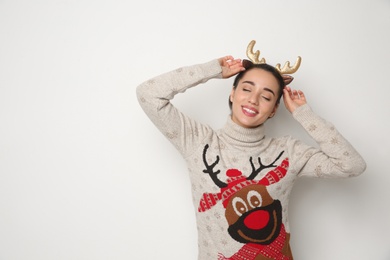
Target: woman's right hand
point(230, 66)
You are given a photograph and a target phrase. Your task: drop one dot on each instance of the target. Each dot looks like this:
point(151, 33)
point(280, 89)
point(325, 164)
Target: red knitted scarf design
point(250, 251)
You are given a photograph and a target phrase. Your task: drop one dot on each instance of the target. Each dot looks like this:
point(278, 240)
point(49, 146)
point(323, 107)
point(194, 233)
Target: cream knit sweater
point(241, 179)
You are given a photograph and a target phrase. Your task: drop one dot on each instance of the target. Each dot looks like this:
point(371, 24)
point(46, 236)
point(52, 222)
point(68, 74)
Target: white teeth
point(249, 111)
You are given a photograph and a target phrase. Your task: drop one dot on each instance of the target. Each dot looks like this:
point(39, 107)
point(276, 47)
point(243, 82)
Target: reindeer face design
point(252, 214)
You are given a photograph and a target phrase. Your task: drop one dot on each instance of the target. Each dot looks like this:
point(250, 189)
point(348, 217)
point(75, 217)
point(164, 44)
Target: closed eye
point(266, 98)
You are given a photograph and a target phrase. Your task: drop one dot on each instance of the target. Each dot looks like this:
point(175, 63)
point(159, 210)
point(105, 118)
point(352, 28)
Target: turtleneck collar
point(241, 134)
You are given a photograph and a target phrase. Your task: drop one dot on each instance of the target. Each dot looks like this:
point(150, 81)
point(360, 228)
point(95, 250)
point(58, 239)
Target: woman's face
point(254, 99)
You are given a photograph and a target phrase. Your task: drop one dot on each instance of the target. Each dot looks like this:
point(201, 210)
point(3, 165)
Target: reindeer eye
point(254, 198)
point(239, 206)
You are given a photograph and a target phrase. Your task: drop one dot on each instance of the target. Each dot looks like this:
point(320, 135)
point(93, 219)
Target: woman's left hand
point(293, 98)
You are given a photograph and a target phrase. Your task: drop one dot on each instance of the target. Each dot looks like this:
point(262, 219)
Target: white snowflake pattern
point(209, 229)
point(172, 135)
point(312, 127)
point(318, 171)
point(334, 140)
point(217, 215)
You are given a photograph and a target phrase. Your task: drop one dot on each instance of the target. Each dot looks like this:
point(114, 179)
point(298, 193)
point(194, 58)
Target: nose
point(253, 100)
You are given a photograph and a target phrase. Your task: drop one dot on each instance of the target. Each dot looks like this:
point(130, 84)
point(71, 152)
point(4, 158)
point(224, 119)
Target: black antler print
point(255, 172)
point(209, 169)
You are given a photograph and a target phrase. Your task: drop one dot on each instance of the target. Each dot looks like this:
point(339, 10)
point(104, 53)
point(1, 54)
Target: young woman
point(241, 179)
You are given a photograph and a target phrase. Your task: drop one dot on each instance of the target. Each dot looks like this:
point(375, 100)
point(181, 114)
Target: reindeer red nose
point(257, 219)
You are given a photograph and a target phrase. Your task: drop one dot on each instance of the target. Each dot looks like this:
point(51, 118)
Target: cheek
point(235, 99)
point(269, 105)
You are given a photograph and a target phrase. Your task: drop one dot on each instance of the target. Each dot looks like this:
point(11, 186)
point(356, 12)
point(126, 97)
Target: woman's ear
point(231, 97)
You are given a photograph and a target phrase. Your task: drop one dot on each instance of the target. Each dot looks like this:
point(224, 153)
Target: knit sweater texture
point(241, 179)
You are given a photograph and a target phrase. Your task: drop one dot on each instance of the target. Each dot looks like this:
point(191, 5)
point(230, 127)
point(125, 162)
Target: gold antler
point(287, 69)
point(254, 57)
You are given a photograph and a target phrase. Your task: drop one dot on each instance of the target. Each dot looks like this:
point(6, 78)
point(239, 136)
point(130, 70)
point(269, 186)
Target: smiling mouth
point(249, 111)
point(264, 232)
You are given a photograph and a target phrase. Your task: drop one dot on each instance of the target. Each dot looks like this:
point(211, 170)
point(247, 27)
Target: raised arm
point(336, 157)
point(155, 95)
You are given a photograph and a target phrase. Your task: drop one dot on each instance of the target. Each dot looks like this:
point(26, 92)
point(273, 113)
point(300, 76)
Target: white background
point(85, 175)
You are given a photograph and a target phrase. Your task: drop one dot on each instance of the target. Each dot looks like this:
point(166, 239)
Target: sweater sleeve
point(155, 95)
point(336, 157)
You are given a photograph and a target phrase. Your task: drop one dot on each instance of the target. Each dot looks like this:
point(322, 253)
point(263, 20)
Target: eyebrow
point(253, 84)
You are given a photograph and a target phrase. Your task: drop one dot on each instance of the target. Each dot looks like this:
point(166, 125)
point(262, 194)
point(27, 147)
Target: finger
point(225, 61)
point(236, 65)
point(237, 68)
point(301, 95)
point(295, 94)
point(234, 62)
point(228, 57)
point(298, 94)
point(287, 89)
point(287, 95)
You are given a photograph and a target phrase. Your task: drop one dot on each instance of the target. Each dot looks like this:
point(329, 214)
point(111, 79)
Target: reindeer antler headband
point(254, 57)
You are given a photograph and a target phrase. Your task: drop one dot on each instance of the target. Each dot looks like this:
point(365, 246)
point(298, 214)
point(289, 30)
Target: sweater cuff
point(304, 114)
